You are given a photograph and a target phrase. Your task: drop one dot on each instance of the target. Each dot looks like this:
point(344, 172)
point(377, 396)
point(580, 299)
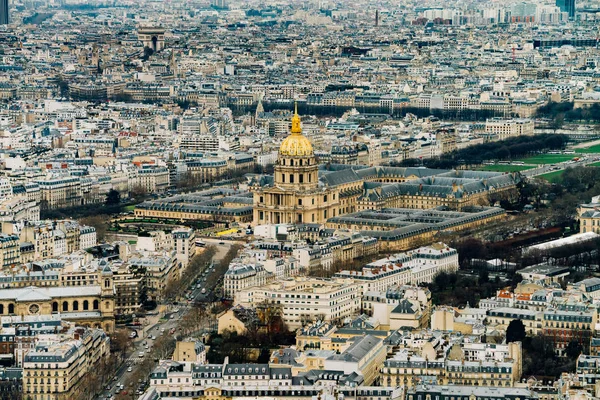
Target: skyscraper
point(3, 12)
point(567, 6)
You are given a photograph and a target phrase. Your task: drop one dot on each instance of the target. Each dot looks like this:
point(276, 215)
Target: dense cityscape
point(310, 199)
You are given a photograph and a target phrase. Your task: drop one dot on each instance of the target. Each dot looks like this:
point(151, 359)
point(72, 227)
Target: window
point(291, 178)
point(261, 200)
point(283, 178)
point(301, 178)
point(325, 198)
point(86, 305)
point(96, 304)
point(261, 215)
point(11, 308)
point(299, 202)
point(75, 305)
point(65, 306)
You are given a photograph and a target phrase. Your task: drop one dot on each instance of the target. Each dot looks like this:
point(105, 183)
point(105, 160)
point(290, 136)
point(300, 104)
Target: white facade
point(305, 299)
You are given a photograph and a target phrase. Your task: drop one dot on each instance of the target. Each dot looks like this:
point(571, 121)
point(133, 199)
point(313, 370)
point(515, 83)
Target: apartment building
point(10, 249)
point(563, 326)
point(501, 129)
point(203, 170)
point(159, 269)
point(501, 317)
point(460, 363)
point(364, 356)
point(441, 392)
point(56, 368)
point(410, 268)
point(129, 290)
point(184, 244)
point(53, 239)
point(305, 299)
point(589, 216)
point(19, 208)
point(241, 275)
point(150, 179)
point(60, 192)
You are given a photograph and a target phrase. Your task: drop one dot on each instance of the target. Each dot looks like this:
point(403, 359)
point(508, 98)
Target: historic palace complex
point(397, 204)
point(301, 192)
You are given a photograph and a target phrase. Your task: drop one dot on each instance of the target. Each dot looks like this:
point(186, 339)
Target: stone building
point(295, 195)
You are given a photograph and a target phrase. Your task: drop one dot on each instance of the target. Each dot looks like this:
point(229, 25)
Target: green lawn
point(596, 164)
point(129, 208)
point(548, 158)
point(591, 149)
point(506, 168)
point(552, 176)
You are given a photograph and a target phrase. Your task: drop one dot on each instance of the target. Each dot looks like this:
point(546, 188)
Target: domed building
point(347, 196)
point(295, 195)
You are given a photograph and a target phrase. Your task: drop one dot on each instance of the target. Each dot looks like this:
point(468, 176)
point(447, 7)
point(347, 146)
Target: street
point(559, 166)
point(165, 323)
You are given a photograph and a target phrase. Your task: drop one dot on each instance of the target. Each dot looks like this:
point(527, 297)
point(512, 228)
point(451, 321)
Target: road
point(167, 320)
point(547, 168)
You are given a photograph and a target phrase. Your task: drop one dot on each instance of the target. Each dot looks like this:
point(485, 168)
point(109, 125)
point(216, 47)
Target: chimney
point(420, 187)
point(454, 187)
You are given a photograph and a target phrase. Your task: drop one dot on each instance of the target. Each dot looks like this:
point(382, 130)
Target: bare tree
point(97, 222)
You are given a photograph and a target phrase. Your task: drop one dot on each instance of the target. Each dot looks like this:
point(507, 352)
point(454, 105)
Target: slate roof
point(357, 350)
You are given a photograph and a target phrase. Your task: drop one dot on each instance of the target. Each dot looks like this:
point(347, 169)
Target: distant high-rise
point(376, 17)
point(567, 6)
point(3, 12)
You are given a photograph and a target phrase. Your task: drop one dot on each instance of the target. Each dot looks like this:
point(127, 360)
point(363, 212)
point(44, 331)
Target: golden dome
point(296, 144)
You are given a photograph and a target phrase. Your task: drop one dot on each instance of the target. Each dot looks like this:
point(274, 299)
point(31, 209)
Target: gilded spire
point(296, 144)
point(296, 127)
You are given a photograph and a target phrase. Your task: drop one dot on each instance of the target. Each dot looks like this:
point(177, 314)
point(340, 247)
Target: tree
point(139, 192)
point(113, 197)
point(99, 223)
point(148, 52)
point(557, 122)
point(120, 343)
point(515, 331)
point(573, 349)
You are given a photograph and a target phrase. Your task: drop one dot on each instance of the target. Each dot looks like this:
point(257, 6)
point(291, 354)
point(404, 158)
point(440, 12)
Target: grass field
point(591, 149)
point(552, 176)
point(506, 168)
point(129, 208)
point(547, 158)
point(596, 164)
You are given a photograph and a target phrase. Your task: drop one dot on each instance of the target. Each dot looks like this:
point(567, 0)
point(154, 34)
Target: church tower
point(295, 195)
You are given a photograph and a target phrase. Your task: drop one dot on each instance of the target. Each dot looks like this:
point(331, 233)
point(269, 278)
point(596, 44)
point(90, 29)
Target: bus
point(200, 243)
